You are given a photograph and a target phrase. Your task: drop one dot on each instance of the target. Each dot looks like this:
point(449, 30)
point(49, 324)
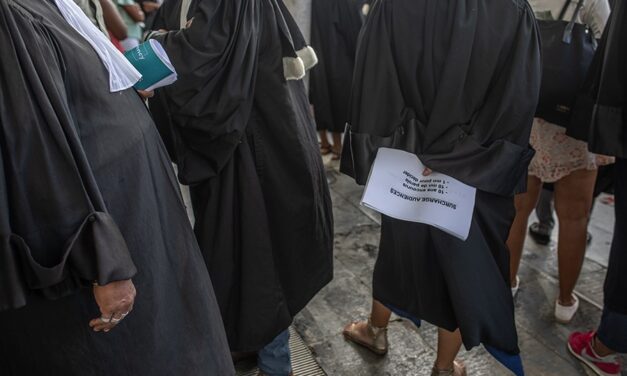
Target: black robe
point(600, 114)
point(87, 194)
point(602, 123)
point(335, 26)
point(244, 142)
point(456, 83)
point(609, 125)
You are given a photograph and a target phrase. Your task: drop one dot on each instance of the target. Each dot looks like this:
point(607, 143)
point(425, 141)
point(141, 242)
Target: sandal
point(458, 370)
point(375, 339)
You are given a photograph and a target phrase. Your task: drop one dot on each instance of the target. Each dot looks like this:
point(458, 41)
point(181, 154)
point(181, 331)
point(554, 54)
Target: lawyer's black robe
point(600, 115)
point(335, 26)
point(244, 141)
point(87, 194)
point(456, 83)
point(602, 123)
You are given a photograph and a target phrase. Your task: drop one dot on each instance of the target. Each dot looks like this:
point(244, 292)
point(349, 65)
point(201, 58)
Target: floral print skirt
point(558, 155)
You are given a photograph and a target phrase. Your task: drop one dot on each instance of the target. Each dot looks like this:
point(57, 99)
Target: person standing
point(93, 11)
point(100, 273)
point(134, 18)
point(105, 16)
point(150, 8)
point(604, 127)
point(238, 125)
point(566, 162)
point(461, 97)
point(335, 26)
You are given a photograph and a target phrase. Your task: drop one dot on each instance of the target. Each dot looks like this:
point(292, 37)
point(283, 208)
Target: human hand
point(146, 94)
point(135, 12)
point(427, 171)
point(150, 6)
point(115, 301)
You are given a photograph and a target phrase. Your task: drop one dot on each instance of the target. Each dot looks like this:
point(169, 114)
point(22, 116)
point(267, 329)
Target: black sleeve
point(55, 233)
point(492, 152)
point(472, 120)
point(216, 61)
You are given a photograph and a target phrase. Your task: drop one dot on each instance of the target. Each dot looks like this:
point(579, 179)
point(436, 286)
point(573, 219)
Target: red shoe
point(580, 345)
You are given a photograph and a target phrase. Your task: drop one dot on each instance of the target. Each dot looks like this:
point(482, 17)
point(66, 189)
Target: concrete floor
point(412, 351)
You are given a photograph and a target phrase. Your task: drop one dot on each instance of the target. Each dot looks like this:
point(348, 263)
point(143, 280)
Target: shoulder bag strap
point(568, 33)
point(564, 9)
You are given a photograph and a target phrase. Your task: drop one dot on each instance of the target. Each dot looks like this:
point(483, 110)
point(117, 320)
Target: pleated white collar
point(122, 75)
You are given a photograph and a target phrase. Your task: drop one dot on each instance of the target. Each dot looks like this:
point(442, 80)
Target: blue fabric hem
point(513, 362)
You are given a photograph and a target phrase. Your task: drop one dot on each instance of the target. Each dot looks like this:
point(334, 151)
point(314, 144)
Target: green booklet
point(151, 60)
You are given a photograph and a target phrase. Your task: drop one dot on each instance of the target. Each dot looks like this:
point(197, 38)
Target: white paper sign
point(397, 188)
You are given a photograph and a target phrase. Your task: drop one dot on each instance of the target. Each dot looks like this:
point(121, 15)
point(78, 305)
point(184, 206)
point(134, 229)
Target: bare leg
point(449, 344)
point(573, 200)
point(525, 203)
point(380, 315)
point(601, 349)
point(337, 142)
point(324, 139)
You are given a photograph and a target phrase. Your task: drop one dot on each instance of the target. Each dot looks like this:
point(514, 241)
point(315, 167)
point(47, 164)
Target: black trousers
point(613, 328)
point(616, 282)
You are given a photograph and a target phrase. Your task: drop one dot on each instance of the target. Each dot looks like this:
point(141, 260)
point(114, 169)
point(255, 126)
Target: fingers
point(115, 300)
point(105, 322)
point(102, 324)
point(122, 307)
point(427, 171)
point(108, 320)
point(146, 94)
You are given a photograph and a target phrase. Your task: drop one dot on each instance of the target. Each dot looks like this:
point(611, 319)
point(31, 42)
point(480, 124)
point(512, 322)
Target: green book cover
point(151, 60)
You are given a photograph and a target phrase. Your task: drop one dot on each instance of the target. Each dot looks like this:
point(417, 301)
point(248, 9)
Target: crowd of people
point(101, 271)
point(125, 21)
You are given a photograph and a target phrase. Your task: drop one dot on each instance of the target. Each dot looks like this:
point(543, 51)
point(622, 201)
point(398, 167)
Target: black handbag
point(567, 51)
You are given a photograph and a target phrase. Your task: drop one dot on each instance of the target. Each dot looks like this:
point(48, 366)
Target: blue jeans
point(275, 359)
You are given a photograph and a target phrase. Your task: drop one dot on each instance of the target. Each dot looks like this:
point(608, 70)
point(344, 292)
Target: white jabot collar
point(122, 74)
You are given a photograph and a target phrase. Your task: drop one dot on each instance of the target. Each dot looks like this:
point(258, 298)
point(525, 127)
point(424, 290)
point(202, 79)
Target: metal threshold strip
point(303, 362)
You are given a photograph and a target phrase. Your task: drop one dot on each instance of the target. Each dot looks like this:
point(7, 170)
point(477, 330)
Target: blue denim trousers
point(275, 359)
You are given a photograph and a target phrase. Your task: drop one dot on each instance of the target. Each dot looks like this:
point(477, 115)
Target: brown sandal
point(375, 340)
point(458, 370)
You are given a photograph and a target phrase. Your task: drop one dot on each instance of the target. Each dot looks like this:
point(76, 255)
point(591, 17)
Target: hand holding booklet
point(397, 188)
point(151, 60)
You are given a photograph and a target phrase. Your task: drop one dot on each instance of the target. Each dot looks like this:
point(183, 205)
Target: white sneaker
point(565, 314)
point(516, 287)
